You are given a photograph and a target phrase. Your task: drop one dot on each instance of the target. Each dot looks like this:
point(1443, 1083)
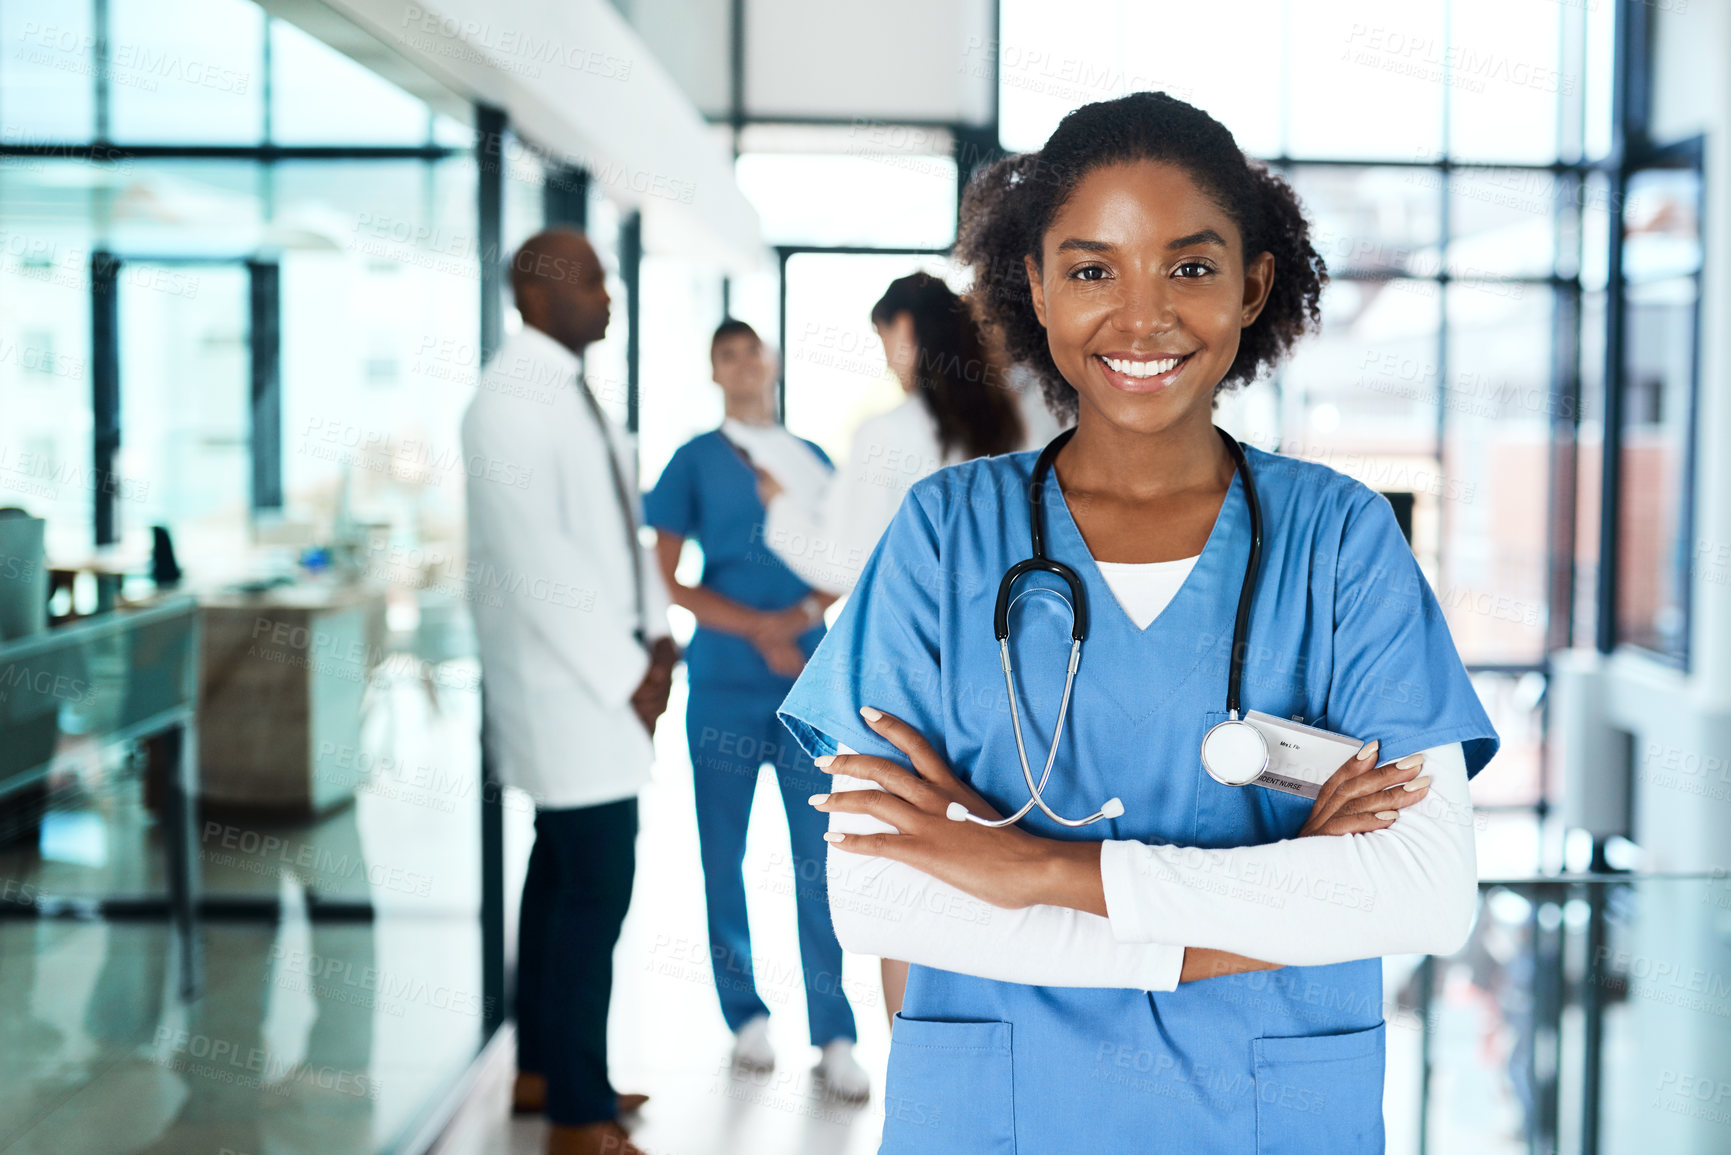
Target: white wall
point(886, 60)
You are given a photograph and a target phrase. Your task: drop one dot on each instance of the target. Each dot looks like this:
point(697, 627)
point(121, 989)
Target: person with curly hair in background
point(1197, 967)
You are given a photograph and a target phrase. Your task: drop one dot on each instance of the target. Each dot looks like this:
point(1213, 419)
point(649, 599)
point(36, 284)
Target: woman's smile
point(1141, 372)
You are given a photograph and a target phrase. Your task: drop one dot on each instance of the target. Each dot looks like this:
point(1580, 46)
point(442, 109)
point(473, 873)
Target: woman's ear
point(1258, 280)
point(1036, 288)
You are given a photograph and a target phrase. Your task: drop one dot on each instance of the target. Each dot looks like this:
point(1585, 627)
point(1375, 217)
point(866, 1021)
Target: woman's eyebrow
point(1201, 237)
point(1085, 246)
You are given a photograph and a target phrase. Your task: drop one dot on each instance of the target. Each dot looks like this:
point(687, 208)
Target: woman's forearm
point(1073, 878)
point(892, 910)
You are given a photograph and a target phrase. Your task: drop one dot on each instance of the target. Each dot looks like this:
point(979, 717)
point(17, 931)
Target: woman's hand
point(1362, 796)
point(1003, 866)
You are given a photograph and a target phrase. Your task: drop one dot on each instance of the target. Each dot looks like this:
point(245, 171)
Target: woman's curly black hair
point(1009, 204)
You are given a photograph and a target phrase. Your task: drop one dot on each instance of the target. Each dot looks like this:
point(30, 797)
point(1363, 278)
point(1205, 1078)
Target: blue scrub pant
point(732, 733)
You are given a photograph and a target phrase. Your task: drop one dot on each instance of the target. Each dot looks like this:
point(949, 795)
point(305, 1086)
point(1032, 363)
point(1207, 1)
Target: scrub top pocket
point(949, 1089)
point(1320, 1094)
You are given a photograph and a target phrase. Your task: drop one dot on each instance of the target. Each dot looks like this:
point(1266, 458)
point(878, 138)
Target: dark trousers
point(574, 901)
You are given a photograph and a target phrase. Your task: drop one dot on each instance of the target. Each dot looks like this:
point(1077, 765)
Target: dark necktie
point(627, 512)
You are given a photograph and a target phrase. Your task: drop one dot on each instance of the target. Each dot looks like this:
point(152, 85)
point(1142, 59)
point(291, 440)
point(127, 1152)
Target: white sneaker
point(751, 1049)
point(841, 1074)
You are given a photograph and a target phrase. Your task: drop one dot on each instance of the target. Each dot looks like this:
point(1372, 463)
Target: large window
point(850, 208)
point(370, 244)
point(1656, 544)
point(836, 375)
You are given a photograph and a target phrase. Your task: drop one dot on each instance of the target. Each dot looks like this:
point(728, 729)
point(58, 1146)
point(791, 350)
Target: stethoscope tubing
point(1039, 562)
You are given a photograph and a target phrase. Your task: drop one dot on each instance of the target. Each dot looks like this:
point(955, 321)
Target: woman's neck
point(1106, 458)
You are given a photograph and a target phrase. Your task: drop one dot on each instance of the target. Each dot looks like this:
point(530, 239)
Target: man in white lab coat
point(576, 664)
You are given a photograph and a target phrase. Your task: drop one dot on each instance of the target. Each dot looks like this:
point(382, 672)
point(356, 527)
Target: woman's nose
point(1143, 308)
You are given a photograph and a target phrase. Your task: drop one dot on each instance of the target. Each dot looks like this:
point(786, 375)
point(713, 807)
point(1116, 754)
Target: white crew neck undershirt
point(1144, 588)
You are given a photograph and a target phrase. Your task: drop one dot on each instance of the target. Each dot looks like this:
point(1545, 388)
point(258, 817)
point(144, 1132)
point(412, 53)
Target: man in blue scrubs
point(757, 624)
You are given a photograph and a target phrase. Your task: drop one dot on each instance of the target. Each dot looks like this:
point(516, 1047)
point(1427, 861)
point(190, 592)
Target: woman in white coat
point(960, 404)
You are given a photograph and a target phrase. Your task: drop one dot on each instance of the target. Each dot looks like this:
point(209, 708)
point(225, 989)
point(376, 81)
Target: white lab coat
point(550, 582)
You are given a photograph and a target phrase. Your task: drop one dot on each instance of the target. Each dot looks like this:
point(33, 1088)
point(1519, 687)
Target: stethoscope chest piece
point(1234, 752)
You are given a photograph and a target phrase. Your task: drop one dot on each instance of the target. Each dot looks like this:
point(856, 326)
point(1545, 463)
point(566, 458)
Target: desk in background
point(283, 683)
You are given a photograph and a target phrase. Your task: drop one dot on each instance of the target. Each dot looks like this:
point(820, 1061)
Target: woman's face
point(901, 347)
point(1144, 289)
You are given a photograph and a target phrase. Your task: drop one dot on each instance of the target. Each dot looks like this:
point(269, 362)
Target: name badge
point(1300, 758)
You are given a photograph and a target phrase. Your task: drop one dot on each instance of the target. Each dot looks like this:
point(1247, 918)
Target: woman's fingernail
point(1388, 815)
point(823, 760)
point(1418, 783)
point(1409, 762)
point(832, 836)
point(870, 714)
point(819, 799)
point(1368, 751)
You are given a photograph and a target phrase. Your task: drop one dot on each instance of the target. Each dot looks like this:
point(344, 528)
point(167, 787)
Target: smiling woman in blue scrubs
point(1202, 972)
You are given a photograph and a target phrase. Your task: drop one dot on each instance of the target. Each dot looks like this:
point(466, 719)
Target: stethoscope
point(1234, 752)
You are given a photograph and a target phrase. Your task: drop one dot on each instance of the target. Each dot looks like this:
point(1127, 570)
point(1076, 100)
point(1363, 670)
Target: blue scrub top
point(1345, 633)
point(708, 493)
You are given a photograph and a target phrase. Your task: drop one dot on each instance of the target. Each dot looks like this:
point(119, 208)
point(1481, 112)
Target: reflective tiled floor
point(307, 1035)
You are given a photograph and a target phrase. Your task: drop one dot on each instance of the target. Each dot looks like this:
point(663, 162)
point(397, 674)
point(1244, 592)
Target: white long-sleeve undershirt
point(1408, 888)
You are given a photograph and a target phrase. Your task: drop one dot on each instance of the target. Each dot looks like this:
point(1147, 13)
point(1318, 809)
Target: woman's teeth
point(1142, 368)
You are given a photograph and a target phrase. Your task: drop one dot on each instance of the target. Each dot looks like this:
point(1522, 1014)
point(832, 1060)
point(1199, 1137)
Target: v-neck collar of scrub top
point(1203, 607)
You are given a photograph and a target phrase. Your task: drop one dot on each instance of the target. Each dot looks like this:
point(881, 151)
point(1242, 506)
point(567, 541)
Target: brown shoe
point(529, 1094)
point(591, 1139)
point(632, 1103)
